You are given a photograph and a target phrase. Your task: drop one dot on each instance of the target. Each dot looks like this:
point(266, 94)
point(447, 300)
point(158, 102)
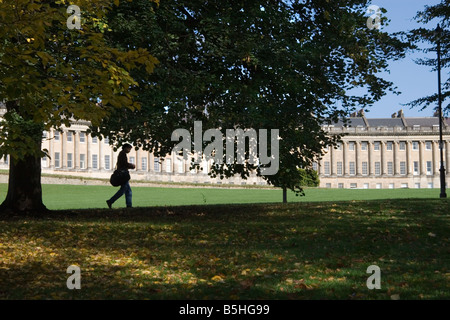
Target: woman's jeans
point(124, 189)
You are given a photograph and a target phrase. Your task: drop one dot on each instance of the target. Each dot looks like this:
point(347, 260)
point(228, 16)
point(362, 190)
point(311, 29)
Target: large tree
point(51, 74)
point(421, 36)
point(286, 65)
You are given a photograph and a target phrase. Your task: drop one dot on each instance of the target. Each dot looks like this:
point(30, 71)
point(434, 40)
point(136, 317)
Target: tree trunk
point(284, 195)
point(24, 184)
point(24, 187)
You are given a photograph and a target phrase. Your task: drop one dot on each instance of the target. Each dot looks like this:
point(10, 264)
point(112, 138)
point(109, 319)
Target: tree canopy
point(441, 13)
point(286, 65)
point(51, 74)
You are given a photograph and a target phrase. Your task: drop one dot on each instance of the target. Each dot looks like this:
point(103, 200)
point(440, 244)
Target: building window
point(339, 146)
point(180, 166)
point(364, 146)
point(314, 166)
point(144, 163)
point(417, 185)
point(156, 164)
point(430, 185)
point(44, 161)
point(56, 135)
point(94, 161)
point(352, 168)
point(391, 186)
point(364, 168)
point(133, 160)
point(5, 159)
point(402, 167)
point(377, 168)
point(82, 137)
point(107, 162)
point(404, 185)
point(106, 140)
point(402, 145)
point(82, 161)
point(429, 168)
point(390, 168)
point(57, 160)
point(69, 160)
point(339, 169)
point(94, 139)
point(327, 167)
point(351, 146)
point(44, 134)
point(416, 167)
point(428, 145)
point(378, 186)
point(205, 166)
point(328, 185)
point(376, 146)
point(168, 165)
point(389, 146)
point(340, 185)
point(353, 185)
point(365, 186)
point(69, 136)
point(415, 145)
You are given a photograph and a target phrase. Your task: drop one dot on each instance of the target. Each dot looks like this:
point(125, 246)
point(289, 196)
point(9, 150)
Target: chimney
point(394, 115)
point(402, 116)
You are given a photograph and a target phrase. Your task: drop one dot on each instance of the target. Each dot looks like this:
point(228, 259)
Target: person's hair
point(127, 145)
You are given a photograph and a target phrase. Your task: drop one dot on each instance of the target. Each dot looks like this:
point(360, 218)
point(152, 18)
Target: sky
point(412, 80)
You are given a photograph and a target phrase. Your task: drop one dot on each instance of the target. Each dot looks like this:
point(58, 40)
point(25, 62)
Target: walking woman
point(123, 164)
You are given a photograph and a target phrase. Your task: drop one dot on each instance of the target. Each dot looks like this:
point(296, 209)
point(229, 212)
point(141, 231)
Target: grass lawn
point(311, 250)
point(60, 197)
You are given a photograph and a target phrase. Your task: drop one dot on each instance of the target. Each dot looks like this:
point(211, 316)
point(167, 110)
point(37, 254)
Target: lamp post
point(441, 143)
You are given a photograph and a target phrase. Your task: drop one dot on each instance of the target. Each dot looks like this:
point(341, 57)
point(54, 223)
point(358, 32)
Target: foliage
point(50, 74)
point(308, 251)
point(419, 36)
point(309, 178)
point(286, 65)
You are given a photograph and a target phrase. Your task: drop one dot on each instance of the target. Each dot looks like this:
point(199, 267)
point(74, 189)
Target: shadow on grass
point(267, 251)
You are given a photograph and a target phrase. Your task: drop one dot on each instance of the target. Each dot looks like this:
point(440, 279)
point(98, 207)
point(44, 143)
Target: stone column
point(62, 158)
point(394, 161)
point(113, 163)
point(50, 149)
point(371, 165)
point(382, 156)
point(100, 153)
point(357, 151)
point(88, 152)
point(422, 164)
point(331, 160)
point(436, 158)
point(408, 158)
point(344, 157)
point(76, 164)
point(447, 161)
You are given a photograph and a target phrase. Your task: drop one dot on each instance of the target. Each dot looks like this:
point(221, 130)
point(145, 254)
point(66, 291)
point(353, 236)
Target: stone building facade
point(382, 153)
point(385, 153)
